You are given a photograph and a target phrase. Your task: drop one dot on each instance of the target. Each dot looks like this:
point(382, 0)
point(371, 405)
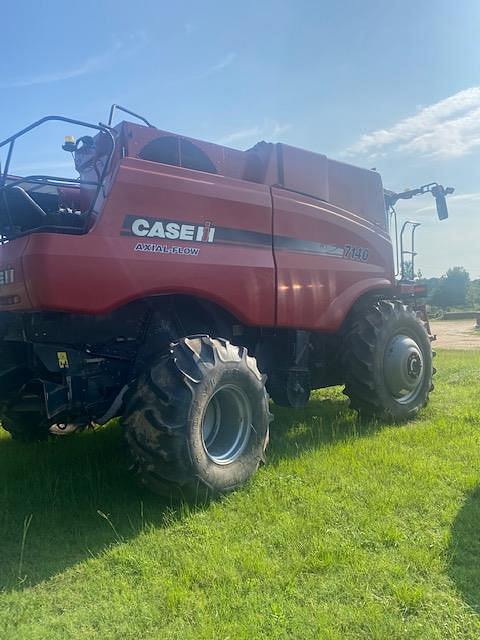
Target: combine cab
point(175, 282)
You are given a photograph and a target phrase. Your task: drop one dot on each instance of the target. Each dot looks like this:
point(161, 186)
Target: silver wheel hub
point(227, 424)
point(404, 368)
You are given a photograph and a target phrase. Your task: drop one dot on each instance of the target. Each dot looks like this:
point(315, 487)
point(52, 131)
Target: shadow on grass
point(80, 498)
point(464, 566)
point(326, 419)
point(70, 498)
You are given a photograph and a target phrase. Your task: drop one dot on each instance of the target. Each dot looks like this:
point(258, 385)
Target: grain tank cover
point(357, 190)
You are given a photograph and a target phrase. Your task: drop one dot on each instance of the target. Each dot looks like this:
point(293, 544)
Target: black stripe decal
point(226, 235)
point(242, 237)
point(308, 246)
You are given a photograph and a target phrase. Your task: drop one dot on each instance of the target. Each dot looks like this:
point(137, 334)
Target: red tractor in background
point(176, 282)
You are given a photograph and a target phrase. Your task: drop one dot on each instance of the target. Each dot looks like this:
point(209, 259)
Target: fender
point(341, 306)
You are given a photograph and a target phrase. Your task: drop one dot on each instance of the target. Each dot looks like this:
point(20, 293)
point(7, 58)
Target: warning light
point(69, 144)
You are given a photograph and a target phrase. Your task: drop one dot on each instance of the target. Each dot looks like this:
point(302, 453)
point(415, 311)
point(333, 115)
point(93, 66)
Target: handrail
point(410, 252)
point(80, 123)
point(55, 181)
point(117, 107)
point(393, 221)
point(37, 123)
point(40, 179)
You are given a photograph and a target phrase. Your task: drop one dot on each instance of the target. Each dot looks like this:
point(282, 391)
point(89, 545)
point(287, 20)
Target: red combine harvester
point(175, 282)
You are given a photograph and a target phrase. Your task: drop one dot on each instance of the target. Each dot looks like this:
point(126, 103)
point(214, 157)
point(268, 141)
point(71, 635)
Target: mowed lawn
point(350, 531)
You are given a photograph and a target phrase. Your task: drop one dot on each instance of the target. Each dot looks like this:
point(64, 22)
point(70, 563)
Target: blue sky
point(392, 85)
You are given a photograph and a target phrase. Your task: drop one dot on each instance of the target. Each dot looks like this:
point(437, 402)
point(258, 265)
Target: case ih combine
point(176, 282)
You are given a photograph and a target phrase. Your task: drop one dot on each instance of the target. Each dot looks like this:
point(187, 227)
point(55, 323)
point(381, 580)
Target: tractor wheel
point(387, 362)
point(26, 426)
point(197, 421)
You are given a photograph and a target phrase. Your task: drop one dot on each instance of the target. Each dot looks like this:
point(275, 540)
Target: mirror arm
point(437, 190)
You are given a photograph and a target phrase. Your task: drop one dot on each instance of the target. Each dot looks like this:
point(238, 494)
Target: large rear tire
point(197, 421)
point(387, 362)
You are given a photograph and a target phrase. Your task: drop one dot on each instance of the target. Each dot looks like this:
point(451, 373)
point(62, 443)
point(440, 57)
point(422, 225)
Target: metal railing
point(408, 252)
point(55, 181)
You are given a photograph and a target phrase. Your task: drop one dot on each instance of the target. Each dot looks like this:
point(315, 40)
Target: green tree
point(408, 272)
point(473, 295)
point(452, 288)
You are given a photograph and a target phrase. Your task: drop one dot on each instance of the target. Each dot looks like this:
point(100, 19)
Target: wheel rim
point(404, 368)
point(227, 424)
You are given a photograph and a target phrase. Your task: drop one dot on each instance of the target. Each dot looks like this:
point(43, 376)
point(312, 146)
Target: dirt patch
point(456, 334)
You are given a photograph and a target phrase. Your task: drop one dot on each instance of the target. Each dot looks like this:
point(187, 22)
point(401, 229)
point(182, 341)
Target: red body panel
point(14, 295)
point(101, 270)
point(248, 238)
point(317, 285)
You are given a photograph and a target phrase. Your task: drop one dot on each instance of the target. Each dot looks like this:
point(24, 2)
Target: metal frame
point(117, 107)
point(53, 180)
point(408, 252)
point(393, 221)
point(391, 198)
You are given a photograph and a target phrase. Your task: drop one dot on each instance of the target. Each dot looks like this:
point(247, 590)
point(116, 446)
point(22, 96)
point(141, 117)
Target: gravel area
point(456, 334)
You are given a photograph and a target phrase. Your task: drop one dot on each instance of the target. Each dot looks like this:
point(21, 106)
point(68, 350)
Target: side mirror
point(442, 209)
point(439, 193)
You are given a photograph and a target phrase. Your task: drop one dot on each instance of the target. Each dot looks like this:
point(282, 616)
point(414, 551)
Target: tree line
point(454, 289)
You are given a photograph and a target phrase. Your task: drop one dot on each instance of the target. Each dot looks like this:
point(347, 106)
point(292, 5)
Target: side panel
point(326, 258)
point(219, 247)
point(13, 293)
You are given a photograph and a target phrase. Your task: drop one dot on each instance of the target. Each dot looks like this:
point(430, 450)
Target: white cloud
point(441, 245)
point(119, 49)
point(450, 127)
point(279, 129)
point(454, 202)
point(424, 206)
point(222, 64)
point(269, 130)
point(241, 134)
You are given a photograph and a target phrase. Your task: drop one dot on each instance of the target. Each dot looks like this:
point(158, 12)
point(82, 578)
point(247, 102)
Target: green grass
point(351, 531)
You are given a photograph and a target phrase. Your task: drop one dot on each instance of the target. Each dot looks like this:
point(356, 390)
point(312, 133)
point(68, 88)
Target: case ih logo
point(7, 276)
point(167, 229)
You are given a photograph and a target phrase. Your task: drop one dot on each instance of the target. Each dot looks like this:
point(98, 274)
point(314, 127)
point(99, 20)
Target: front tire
point(197, 421)
point(387, 362)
